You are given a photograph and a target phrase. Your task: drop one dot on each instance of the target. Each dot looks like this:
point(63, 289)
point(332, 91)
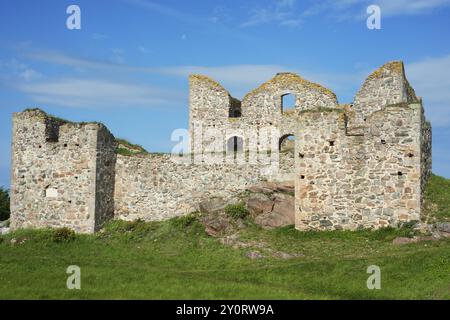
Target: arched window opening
point(287, 143)
point(288, 103)
point(287, 156)
point(235, 144)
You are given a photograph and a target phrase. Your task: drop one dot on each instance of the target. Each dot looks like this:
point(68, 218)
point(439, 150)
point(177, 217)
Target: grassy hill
point(175, 259)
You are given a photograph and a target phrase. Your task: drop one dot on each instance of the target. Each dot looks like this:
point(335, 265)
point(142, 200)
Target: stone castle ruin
point(362, 165)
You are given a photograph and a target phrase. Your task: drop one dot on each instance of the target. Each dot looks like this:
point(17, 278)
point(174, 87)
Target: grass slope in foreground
point(175, 259)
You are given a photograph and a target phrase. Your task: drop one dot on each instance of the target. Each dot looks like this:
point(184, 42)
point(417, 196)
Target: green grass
point(127, 148)
point(175, 259)
point(437, 198)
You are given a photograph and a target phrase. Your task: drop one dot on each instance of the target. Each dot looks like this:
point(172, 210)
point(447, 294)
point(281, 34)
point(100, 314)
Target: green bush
point(236, 211)
point(4, 204)
point(63, 235)
point(184, 221)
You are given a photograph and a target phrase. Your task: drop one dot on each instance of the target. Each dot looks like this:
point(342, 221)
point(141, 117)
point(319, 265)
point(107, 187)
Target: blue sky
point(128, 65)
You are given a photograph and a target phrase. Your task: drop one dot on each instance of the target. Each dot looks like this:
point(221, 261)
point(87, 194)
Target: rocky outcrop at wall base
point(272, 204)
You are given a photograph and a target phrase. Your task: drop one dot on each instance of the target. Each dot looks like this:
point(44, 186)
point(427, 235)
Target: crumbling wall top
point(288, 80)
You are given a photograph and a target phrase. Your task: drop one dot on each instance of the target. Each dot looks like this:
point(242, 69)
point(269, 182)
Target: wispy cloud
point(165, 10)
point(431, 80)
point(99, 36)
point(59, 58)
point(12, 68)
point(144, 50)
point(118, 56)
point(239, 79)
point(281, 12)
point(356, 9)
point(410, 7)
point(88, 93)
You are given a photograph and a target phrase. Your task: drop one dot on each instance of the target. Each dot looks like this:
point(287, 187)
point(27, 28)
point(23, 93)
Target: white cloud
point(409, 7)
point(220, 14)
point(356, 9)
point(118, 56)
point(99, 36)
point(281, 12)
point(431, 80)
point(86, 93)
point(144, 50)
point(12, 68)
point(59, 58)
point(165, 10)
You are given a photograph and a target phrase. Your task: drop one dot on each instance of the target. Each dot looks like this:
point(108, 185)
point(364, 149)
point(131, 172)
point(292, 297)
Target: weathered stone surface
point(62, 173)
point(212, 205)
point(372, 159)
point(403, 240)
point(259, 204)
point(216, 224)
point(443, 227)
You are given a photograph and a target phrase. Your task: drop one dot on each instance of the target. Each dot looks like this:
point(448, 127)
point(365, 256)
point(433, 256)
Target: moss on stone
point(392, 66)
point(288, 79)
point(211, 82)
point(322, 109)
point(127, 148)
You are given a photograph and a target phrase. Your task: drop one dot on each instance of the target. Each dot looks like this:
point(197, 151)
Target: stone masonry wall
point(426, 153)
point(385, 86)
point(105, 176)
point(359, 181)
point(153, 187)
point(53, 178)
point(261, 109)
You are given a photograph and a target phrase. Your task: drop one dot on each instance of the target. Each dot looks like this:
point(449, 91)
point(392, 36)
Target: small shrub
point(63, 235)
point(236, 211)
point(4, 204)
point(184, 221)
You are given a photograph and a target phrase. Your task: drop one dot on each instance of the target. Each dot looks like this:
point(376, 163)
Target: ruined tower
point(62, 173)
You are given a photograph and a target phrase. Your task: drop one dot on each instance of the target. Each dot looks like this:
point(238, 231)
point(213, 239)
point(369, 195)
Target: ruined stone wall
point(385, 86)
point(371, 180)
point(105, 176)
point(153, 187)
point(260, 112)
point(54, 173)
point(426, 153)
point(363, 165)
